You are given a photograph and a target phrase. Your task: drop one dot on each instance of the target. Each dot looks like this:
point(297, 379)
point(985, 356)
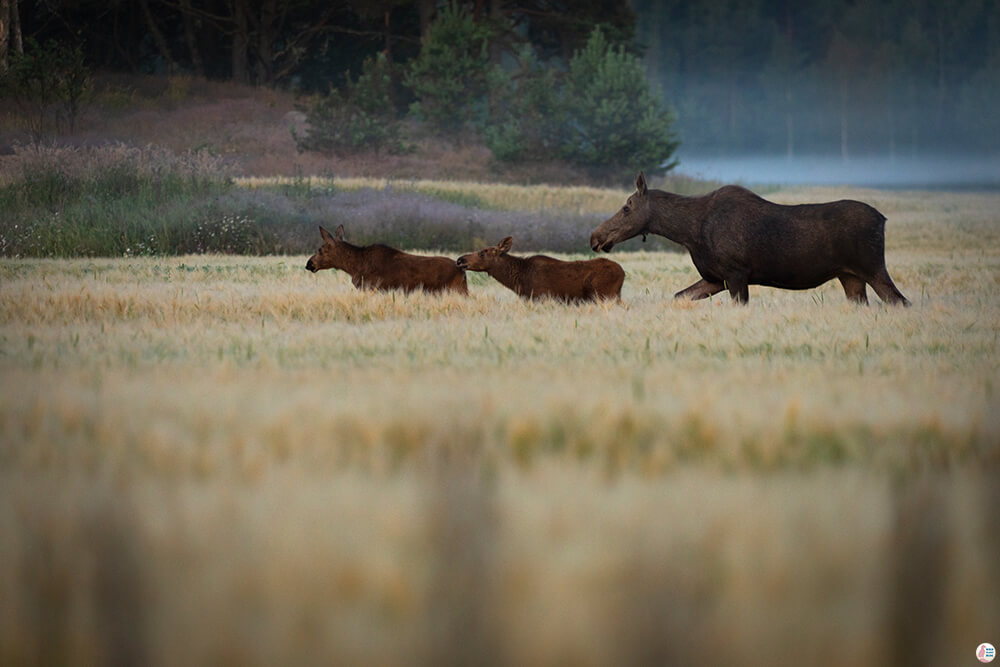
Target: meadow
point(224, 459)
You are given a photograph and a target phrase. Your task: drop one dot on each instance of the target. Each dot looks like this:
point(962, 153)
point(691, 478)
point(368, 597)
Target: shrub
point(527, 111)
point(448, 78)
point(600, 115)
point(616, 122)
point(48, 83)
point(360, 117)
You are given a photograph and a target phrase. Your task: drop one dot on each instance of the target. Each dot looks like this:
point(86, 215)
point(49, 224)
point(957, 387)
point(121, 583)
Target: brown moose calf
point(383, 268)
point(541, 276)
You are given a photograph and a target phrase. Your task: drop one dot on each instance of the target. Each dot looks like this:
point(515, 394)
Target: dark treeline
point(308, 44)
point(792, 77)
point(847, 77)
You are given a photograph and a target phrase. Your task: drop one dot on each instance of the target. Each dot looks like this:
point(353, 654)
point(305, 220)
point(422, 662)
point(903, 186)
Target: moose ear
point(339, 233)
point(325, 234)
point(505, 245)
point(640, 184)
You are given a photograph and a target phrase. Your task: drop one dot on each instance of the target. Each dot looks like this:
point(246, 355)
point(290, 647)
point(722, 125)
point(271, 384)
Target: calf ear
point(640, 184)
point(339, 233)
point(325, 234)
point(505, 245)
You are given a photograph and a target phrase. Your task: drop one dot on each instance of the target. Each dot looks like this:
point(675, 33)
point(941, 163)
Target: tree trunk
point(158, 38)
point(241, 42)
point(265, 41)
point(10, 32)
point(425, 9)
point(15, 28)
point(191, 38)
point(4, 33)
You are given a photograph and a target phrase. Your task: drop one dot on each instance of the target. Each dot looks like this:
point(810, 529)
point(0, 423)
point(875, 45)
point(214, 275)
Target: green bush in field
point(601, 114)
point(359, 117)
point(527, 111)
point(120, 200)
point(616, 122)
point(48, 82)
point(448, 78)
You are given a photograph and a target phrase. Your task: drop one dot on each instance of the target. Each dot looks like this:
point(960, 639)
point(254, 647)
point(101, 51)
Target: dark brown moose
point(541, 276)
point(737, 239)
point(383, 268)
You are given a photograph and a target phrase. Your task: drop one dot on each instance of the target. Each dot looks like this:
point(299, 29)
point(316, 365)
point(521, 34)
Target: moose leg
point(886, 289)
point(700, 290)
point(855, 289)
point(739, 289)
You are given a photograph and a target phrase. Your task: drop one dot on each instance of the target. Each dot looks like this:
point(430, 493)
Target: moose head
point(632, 219)
point(329, 253)
point(486, 258)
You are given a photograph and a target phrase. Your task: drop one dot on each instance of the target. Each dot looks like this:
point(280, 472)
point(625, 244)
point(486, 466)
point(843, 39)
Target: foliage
point(602, 115)
point(119, 200)
point(616, 122)
point(360, 117)
point(48, 82)
point(449, 77)
point(527, 111)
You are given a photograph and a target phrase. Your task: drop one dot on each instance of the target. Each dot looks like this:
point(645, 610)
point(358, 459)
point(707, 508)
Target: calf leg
point(700, 290)
point(855, 289)
point(459, 283)
point(886, 289)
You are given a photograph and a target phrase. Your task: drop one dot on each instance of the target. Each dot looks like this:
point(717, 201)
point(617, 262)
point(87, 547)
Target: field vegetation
point(213, 458)
point(116, 200)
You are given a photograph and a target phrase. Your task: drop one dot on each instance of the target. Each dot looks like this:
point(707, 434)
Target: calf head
point(631, 220)
point(328, 254)
point(486, 258)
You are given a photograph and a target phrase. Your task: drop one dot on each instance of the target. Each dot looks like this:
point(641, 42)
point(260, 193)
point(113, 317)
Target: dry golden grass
point(230, 460)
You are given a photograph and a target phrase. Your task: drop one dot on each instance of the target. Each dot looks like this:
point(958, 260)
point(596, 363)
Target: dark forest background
point(786, 77)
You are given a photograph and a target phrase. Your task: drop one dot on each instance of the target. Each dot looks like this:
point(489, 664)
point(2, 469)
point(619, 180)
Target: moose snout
point(462, 263)
point(597, 243)
point(310, 266)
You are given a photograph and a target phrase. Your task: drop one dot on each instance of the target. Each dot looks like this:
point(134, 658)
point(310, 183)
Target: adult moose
point(737, 239)
point(541, 276)
point(383, 268)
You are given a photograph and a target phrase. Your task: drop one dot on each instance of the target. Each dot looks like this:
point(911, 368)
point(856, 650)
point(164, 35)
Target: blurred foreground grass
point(216, 459)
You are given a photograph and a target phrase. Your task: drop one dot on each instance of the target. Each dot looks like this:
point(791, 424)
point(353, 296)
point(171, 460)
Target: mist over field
point(936, 172)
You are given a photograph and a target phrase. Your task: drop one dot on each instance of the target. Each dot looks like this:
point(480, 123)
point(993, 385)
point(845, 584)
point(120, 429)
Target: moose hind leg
point(886, 289)
point(855, 289)
point(700, 290)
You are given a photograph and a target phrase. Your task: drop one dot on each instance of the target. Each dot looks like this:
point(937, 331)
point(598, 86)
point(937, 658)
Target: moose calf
point(541, 276)
point(383, 268)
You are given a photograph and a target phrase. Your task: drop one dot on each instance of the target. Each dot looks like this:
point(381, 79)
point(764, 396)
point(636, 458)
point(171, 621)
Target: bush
point(48, 84)
point(114, 200)
point(601, 115)
point(616, 123)
point(361, 117)
point(527, 111)
point(448, 78)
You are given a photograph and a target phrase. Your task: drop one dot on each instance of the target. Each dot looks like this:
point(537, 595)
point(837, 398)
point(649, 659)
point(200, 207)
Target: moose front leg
point(739, 288)
point(700, 290)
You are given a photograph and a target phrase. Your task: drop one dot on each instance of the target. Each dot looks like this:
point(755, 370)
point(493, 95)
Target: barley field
point(215, 459)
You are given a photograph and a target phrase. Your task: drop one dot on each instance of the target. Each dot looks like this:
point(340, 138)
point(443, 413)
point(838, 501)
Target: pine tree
point(616, 123)
point(448, 78)
point(359, 117)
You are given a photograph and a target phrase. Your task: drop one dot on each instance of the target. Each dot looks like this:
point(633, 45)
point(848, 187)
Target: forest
point(834, 77)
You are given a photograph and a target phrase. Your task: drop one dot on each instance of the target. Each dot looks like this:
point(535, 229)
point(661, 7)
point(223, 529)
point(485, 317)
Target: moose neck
point(676, 217)
point(350, 258)
point(509, 271)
